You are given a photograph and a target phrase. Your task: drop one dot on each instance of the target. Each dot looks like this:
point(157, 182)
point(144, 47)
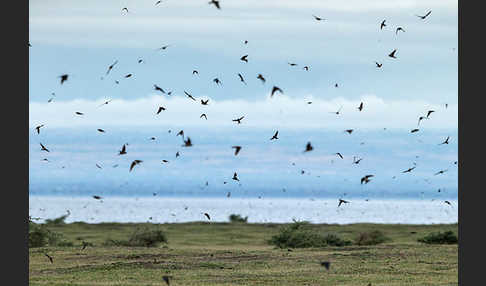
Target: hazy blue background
point(82, 38)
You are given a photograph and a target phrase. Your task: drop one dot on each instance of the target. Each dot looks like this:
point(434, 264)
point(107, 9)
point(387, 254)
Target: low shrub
point(140, 237)
point(40, 235)
point(57, 221)
point(238, 218)
point(371, 238)
point(447, 237)
point(296, 235)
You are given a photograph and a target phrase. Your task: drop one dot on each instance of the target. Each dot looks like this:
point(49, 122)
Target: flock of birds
point(186, 141)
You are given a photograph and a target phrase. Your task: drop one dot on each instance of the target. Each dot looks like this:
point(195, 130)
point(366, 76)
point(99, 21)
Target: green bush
point(371, 238)
point(140, 237)
point(40, 235)
point(238, 218)
point(447, 237)
point(296, 235)
point(57, 221)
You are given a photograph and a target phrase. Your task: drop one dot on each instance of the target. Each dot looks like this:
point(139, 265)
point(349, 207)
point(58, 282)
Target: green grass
point(239, 254)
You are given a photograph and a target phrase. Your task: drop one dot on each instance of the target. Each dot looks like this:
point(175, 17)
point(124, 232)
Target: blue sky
point(83, 38)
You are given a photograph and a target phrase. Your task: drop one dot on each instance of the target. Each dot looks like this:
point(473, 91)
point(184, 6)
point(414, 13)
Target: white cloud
point(279, 112)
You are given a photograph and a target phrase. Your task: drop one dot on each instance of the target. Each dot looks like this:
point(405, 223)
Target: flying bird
point(101, 130)
point(181, 133)
point(187, 143)
point(260, 77)
point(339, 154)
point(292, 64)
point(425, 16)
point(399, 29)
point(275, 89)
point(440, 172)
point(161, 108)
point(85, 244)
point(318, 18)
point(235, 177)
point(134, 163)
point(308, 147)
point(190, 96)
point(78, 113)
point(378, 65)
point(50, 258)
point(238, 120)
point(105, 103)
point(215, 3)
point(409, 170)
point(356, 161)
point(203, 115)
point(195, 72)
point(447, 202)
point(341, 201)
point(241, 78)
point(217, 81)
point(204, 102)
point(156, 87)
point(123, 151)
point(64, 77)
point(207, 215)
point(392, 54)
point(38, 128)
point(306, 68)
point(382, 25)
point(360, 107)
point(97, 197)
point(414, 130)
point(237, 149)
point(429, 113)
point(274, 137)
point(339, 110)
point(177, 154)
point(349, 131)
point(158, 2)
point(43, 148)
point(111, 67)
point(125, 9)
point(366, 179)
point(99, 167)
point(445, 141)
point(244, 58)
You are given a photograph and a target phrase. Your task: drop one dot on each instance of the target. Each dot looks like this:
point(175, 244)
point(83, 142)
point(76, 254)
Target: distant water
point(279, 210)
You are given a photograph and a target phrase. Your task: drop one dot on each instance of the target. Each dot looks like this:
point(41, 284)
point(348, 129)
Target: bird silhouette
point(235, 177)
point(339, 154)
point(217, 81)
point(241, 78)
point(356, 161)
point(204, 102)
point(308, 147)
point(38, 128)
point(237, 149)
point(97, 197)
point(189, 95)
point(180, 133)
point(349, 131)
point(392, 54)
point(318, 18)
point(409, 170)
point(292, 64)
point(306, 68)
point(341, 201)
point(275, 89)
point(101, 130)
point(203, 115)
point(429, 113)
point(195, 72)
point(128, 75)
point(111, 67)
point(85, 244)
point(64, 77)
point(43, 148)
point(414, 130)
point(99, 167)
point(238, 120)
point(360, 107)
point(326, 264)
point(425, 16)
point(134, 163)
point(125, 9)
point(274, 137)
point(177, 154)
point(123, 151)
point(50, 258)
point(445, 141)
point(378, 65)
point(207, 215)
point(215, 3)
point(105, 103)
point(382, 24)
point(420, 119)
point(163, 47)
point(187, 143)
point(161, 108)
point(260, 77)
point(337, 112)
point(366, 179)
point(156, 87)
point(78, 113)
point(399, 29)
point(440, 172)
point(158, 2)
point(447, 202)
point(244, 58)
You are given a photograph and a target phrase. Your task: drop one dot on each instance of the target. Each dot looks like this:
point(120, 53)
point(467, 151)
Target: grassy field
point(238, 254)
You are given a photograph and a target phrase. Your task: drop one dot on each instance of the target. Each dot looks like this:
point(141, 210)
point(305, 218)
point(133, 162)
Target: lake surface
point(278, 210)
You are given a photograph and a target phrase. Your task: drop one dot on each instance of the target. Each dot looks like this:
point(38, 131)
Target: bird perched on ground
point(308, 147)
point(392, 54)
point(260, 77)
point(111, 67)
point(366, 179)
point(38, 128)
point(78, 113)
point(241, 78)
point(399, 29)
point(341, 201)
point(64, 77)
point(382, 24)
point(244, 58)
point(274, 137)
point(187, 143)
point(235, 177)
point(190, 96)
point(161, 108)
point(445, 141)
point(237, 149)
point(215, 3)
point(134, 163)
point(181, 133)
point(123, 151)
point(318, 18)
point(238, 120)
point(204, 102)
point(326, 264)
point(50, 258)
point(275, 89)
point(203, 115)
point(43, 148)
point(425, 16)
